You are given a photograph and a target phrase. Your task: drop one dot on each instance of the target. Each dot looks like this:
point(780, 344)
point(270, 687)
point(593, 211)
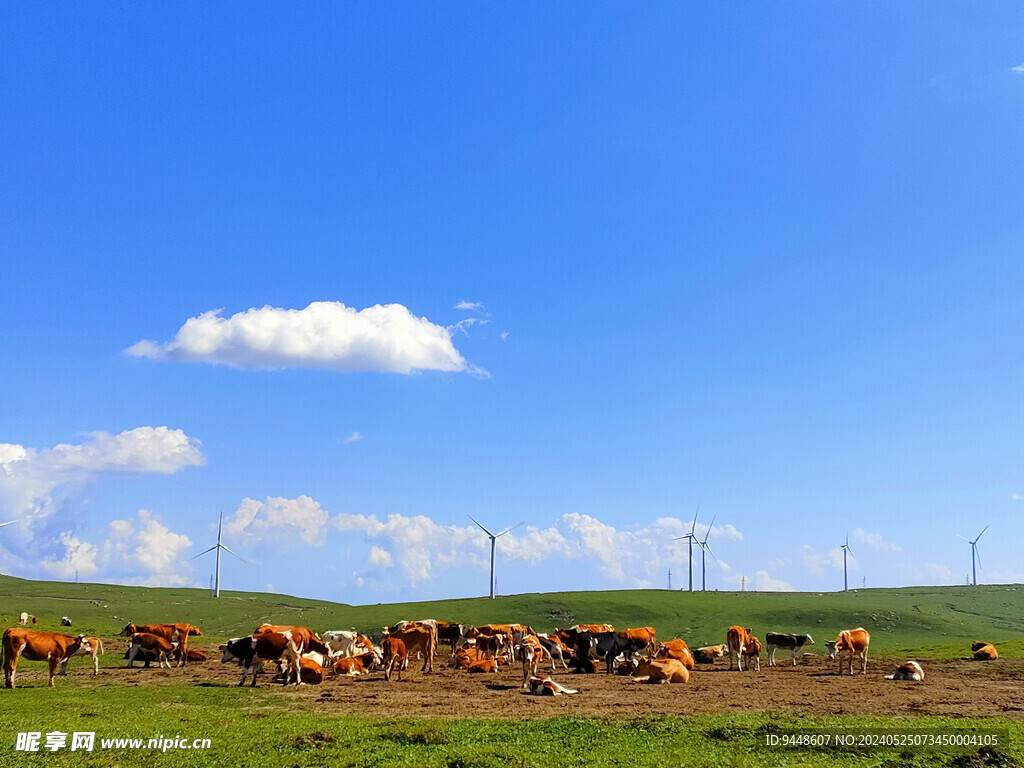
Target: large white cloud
point(326, 334)
point(276, 517)
point(146, 552)
point(34, 482)
point(79, 558)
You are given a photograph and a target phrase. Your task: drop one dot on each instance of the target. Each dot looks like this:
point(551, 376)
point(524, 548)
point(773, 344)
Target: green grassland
point(263, 726)
point(911, 621)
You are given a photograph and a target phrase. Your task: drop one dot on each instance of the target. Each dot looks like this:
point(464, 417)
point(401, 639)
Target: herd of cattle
point(303, 656)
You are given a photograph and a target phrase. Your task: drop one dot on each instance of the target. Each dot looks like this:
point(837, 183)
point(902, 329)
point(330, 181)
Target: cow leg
point(63, 668)
point(794, 656)
point(864, 667)
point(54, 664)
point(132, 653)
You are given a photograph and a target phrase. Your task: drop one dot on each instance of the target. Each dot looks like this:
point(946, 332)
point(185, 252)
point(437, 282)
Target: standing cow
point(792, 643)
point(51, 647)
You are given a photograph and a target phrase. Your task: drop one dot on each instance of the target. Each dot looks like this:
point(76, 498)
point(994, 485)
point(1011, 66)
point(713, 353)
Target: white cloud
point(469, 306)
point(326, 334)
point(150, 554)
point(874, 540)
point(1016, 497)
point(355, 437)
point(763, 582)
point(277, 517)
point(423, 548)
point(1019, 69)
point(34, 484)
point(812, 560)
point(504, 335)
point(79, 558)
point(380, 557)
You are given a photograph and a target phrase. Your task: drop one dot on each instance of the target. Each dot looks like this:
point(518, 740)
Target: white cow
point(23, 618)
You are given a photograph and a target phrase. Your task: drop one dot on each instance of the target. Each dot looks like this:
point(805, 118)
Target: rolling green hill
point(922, 621)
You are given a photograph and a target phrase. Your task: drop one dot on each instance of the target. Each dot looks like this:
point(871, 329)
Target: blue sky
point(348, 275)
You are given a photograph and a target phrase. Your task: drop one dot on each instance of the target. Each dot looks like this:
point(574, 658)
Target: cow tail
point(100, 644)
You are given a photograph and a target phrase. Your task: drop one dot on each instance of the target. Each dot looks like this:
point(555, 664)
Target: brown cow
point(36, 646)
point(660, 671)
point(310, 672)
point(152, 643)
point(394, 655)
point(645, 635)
point(851, 643)
point(752, 652)
point(676, 649)
point(484, 665)
point(174, 633)
point(737, 639)
point(984, 652)
point(354, 665)
point(418, 640)
point(91, 646)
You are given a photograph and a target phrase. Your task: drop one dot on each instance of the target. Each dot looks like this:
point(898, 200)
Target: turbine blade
point(512, 528)
point(708, 549)
point(480, 526)
point(694, 526)
point(962, 537)
point(9, 522)
point(226, 549)
point(708, 532)
point(982, 533)
point(204, 552)
point(851, 552)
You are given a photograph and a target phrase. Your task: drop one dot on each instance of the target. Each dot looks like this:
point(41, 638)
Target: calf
point(708, 654)
point(660, 671)
point(174, 633)
point(853, 643)
point(737, 639)
point(531, 655)
point(91, 646)
point(554, 647)
point(152, 643)
point(394, 655)
point(792, 643)
point(909, 671)
point(752, 653)
point(51, 647)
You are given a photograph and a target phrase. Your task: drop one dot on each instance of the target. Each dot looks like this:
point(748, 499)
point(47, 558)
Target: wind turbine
point(218, 546)
point(974, 555)
point(704, 549)
point(9, 522)
point(691, 536)
point(846, 550)
point(493, 537)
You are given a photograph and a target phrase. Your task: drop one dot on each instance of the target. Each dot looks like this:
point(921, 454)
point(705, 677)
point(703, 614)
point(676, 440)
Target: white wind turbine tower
point(704, 549)
point(974, 554)
point(218, 546)
point(846, 550)
point(493, 537)
point(691, 536)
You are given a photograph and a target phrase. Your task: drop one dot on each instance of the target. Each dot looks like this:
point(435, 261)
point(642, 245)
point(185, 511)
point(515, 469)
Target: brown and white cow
point(161, 646)
point(645, 635)
point(483, 665)
point(23, 618)
point(737, 639)
point(420, 640)
point(909, 671)
point(853, 643)
point(52, 647)
point(173, 633)
point(676, 649)
point(708, 653)
point(310, 672)
point(91, 646)
point(547, 687)
point(394, 655)
point(660, 671)
point(984, 652)
point(752, 653)
point(351, 666)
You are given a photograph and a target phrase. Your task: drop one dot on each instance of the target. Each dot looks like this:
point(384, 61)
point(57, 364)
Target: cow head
point(231, 648)
point(128, 631)
point(833, 650)
point(194, 631)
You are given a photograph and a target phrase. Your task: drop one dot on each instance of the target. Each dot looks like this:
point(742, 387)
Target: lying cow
point(909, 671)
point(51, 647)
point(660, 671)
point(792, 643)
point(91, 646)
point(677, 649)
point(65, 621)
point(310, 672)
point(352, 666)
point(708, 654)
point(547, 687)
point(984, 652)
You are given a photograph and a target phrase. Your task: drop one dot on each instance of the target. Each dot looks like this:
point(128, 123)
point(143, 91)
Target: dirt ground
point(952, 688)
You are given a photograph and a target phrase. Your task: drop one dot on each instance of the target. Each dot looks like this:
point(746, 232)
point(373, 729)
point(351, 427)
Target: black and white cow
point(608, 645)
point(249, 652)
point(792, 643)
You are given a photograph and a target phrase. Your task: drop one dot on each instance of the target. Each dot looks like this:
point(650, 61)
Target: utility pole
point(743, 584)
point(669, 579)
